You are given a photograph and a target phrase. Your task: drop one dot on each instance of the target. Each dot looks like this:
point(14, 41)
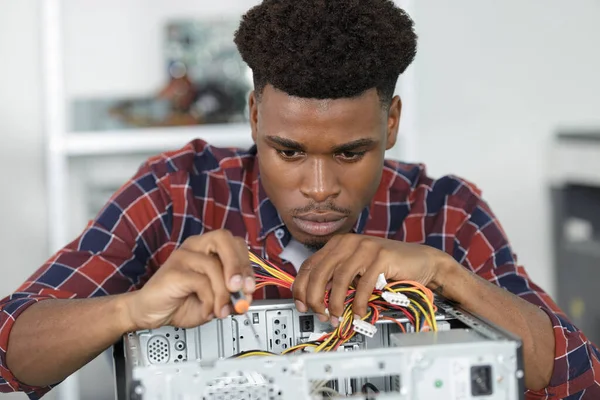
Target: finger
point(323, 272)
point(343, 277)
point(235, 261)
point(248, 271)
point(303, 277)
point(364, 289)
point(299, 286)
point(211, 267)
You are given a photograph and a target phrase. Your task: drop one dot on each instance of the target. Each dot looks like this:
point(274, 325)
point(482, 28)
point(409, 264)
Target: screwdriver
point(241, 306)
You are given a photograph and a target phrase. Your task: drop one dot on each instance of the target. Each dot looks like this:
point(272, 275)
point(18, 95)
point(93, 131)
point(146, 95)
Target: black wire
point(420, 301)
point(369, 385)
point(262, 272)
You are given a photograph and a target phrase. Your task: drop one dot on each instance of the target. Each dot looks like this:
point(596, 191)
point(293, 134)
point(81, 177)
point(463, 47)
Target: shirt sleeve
point(482, 246)
point(116, 252)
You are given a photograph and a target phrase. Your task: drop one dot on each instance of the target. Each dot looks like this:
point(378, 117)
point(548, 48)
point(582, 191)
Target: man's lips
point(320, 224)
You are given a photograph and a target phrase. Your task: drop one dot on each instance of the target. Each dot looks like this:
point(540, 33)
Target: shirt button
point(279, 233)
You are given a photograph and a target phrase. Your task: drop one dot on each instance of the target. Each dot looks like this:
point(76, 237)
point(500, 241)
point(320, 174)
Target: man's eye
point(352, 155)
point(289, 153)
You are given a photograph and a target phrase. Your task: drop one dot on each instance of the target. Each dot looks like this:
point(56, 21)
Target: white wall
point(496, 79)
point(22, 205)
point(22, 191)
point(114, 47)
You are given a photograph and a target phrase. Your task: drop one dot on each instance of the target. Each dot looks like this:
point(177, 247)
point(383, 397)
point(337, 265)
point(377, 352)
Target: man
point(313, 194)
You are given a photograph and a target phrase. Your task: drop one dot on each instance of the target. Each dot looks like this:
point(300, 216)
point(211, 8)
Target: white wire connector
point(381, 282)
point(315, 336)
point(364, 328)
point(397, 299)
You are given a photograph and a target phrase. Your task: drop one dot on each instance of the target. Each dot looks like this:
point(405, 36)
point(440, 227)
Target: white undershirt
point(295, 253)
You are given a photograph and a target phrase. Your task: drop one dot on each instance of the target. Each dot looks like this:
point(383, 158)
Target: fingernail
point(334, 321)
point(225, 311)
point(211, 316)
point(249, 284)
point(356, 316)
point(322, 318)
point(300, 306)
point(235, 283)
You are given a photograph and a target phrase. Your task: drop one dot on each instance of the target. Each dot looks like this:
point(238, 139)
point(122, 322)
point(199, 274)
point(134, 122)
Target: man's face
point(321, 160)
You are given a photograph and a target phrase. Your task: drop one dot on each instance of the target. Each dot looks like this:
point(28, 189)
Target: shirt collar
point(268, 217)
point(359, 227)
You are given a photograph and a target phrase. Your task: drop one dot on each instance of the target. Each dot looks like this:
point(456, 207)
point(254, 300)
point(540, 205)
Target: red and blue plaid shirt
point(200, 188)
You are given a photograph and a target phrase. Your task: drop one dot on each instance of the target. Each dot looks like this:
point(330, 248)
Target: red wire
point(346, 331)
point(396, 321)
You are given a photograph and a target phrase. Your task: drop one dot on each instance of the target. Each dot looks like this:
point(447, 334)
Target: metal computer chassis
point(467, 358)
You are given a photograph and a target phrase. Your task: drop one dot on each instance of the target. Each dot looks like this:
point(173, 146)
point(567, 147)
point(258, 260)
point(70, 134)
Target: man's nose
point(320, 182)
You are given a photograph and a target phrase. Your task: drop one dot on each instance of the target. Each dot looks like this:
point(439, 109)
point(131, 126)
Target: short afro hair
point(327, 49)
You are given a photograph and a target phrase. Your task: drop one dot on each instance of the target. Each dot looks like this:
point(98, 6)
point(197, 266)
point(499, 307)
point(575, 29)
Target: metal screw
point(519, 374)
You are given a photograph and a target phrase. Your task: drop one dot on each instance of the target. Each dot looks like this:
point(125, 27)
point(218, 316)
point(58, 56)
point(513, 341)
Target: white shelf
point(154, 140)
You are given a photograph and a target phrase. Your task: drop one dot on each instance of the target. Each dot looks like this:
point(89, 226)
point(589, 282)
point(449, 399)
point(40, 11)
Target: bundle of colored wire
point(420, 309)
point(267, 273)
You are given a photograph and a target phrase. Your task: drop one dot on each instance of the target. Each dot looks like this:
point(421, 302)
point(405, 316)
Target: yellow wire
point(263, 284)
point(346, 321)
point(431, 320)
point(298, 347)
point(255, 353)
point(416, 314)
point(417, 319)
point(427, 316)
point(326, 342)
point(335, 337)
point(272, 271)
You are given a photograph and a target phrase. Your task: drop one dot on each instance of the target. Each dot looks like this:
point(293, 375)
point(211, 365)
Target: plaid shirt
point(200, 188)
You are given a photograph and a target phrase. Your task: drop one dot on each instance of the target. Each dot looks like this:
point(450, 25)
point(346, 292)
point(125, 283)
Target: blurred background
point(505, 94)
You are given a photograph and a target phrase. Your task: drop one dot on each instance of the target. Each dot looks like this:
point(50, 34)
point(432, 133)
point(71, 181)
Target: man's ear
point(253, 109)
point(393, 122)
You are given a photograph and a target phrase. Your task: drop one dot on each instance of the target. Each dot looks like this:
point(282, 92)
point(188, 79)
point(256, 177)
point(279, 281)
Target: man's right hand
point(194, 284)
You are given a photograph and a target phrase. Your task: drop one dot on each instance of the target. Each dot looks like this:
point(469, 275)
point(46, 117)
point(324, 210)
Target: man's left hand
point(357, 259)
